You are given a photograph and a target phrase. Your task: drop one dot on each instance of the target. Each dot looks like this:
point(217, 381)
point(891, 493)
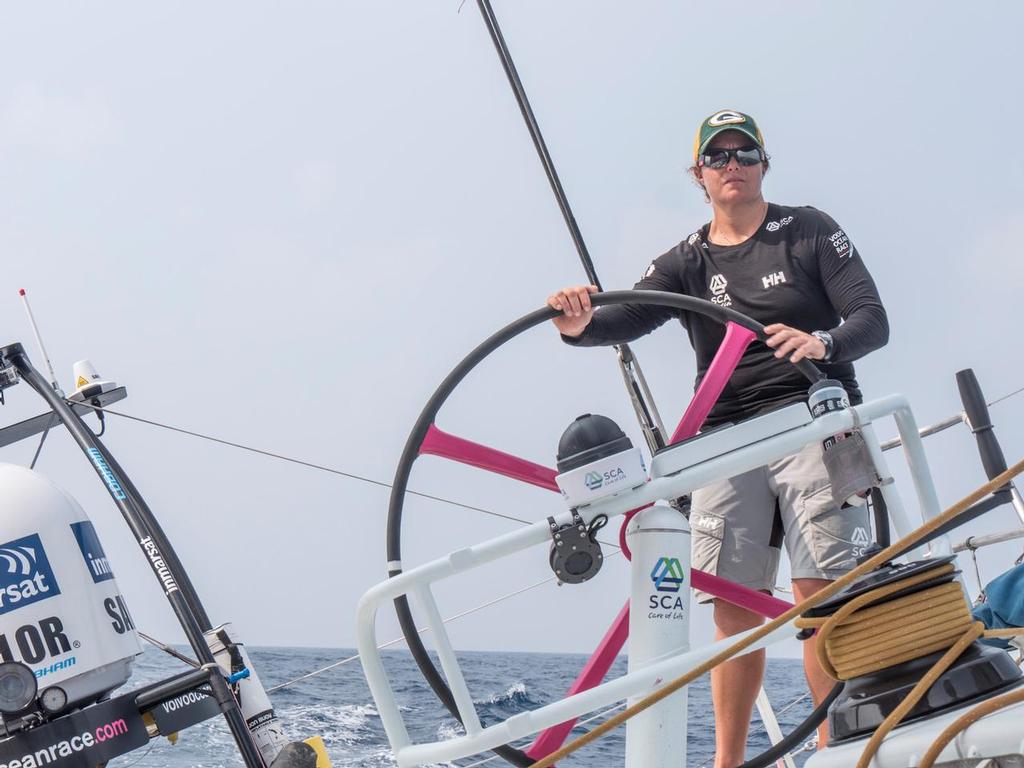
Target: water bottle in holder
point(847, 459)
point(828, 396)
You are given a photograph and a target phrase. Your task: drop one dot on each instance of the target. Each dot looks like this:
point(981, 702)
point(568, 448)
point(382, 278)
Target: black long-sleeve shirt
point(799, 268)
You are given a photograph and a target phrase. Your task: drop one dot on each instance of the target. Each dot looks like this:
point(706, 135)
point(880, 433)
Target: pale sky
point(282, 224)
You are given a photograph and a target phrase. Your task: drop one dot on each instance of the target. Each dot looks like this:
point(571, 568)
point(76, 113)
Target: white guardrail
point(742, 455)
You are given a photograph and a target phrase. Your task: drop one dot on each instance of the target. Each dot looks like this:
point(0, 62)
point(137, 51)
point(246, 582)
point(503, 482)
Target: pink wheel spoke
point(593, 673)
point(758, 602)
point(610, 646)
point(438, 443)
point(737, 339)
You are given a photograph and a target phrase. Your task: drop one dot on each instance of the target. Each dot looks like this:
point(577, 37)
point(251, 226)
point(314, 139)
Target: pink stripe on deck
point(438, 443)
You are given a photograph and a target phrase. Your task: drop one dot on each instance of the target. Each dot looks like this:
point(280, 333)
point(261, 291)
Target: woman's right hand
point(574, 303)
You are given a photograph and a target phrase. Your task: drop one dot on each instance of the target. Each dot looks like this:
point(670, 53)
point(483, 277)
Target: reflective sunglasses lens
point(718, 159)
point(748, 157)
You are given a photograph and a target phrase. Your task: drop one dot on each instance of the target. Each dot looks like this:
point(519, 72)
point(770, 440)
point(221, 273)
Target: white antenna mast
point(39, 341)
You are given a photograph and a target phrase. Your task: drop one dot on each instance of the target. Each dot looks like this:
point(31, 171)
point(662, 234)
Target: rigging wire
point(949, 421)
point(169, 650)
point(320, 467)
point(42, 441)
point(981, 598)
point(419, 630)
point(301, 462)
point(311, 465)
point(349, 659)
point(54, 421)
point(422, 630)
point(1006, 397)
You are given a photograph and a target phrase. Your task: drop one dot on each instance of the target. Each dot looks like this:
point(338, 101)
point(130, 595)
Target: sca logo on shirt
point(717, 286)
point(25, 574)
point(92, 551)
point(775, 226)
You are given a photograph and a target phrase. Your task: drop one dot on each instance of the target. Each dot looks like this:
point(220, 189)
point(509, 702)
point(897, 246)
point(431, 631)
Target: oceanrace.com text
point(67, 747)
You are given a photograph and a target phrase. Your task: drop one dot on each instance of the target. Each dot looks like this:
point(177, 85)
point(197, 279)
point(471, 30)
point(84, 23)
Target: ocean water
point(337, 706)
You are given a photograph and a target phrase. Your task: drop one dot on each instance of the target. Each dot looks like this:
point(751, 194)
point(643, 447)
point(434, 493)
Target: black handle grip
point(981, 423)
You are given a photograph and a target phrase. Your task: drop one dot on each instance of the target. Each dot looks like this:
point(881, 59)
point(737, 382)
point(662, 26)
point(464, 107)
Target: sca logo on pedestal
point(667, 576)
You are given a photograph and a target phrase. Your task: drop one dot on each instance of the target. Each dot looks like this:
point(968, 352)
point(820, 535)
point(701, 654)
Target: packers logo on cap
point(725, 120)
point(726, 117)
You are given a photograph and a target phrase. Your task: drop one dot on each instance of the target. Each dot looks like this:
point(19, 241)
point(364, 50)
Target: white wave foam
point(450, 729)
point(516, 689)
point(343, 724)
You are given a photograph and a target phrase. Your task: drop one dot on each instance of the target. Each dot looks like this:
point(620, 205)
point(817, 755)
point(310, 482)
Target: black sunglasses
point(719, 158)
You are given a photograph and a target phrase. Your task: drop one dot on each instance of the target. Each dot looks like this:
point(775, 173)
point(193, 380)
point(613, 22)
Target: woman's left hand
point(795, 343)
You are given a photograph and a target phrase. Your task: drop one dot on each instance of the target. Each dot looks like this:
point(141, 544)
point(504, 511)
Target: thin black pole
point(538, 139)
point(636, 385)
point(165, 563)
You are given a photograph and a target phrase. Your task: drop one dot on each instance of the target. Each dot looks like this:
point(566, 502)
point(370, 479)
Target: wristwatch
point(828, 341)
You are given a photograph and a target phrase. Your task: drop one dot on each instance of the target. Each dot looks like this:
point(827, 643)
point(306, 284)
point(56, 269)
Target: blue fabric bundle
point(1004, 604)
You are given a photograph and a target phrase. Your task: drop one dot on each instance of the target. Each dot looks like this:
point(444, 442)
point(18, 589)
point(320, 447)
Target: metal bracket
point(575, 554)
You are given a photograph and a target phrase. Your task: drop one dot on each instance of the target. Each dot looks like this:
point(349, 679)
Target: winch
point(886, 633)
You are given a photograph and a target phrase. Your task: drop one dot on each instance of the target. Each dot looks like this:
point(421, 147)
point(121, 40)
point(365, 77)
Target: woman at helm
point(795, 270)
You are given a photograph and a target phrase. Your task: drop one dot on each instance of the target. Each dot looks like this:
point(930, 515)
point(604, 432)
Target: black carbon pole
point(154, 545)
point(636, 385)
point(538, 138)
point(980, 422)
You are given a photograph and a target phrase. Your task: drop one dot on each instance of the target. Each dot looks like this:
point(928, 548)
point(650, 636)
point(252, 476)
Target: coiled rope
point(976, 630)
point(865, 636)
point(858, 640)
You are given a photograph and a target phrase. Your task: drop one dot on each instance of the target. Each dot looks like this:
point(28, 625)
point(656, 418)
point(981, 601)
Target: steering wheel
point(425, 438)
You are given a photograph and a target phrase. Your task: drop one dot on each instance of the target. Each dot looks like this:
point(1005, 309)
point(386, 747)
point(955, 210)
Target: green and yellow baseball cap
point(725, 120)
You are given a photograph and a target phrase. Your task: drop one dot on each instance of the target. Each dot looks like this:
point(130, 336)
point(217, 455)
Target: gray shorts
point(739, 524)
